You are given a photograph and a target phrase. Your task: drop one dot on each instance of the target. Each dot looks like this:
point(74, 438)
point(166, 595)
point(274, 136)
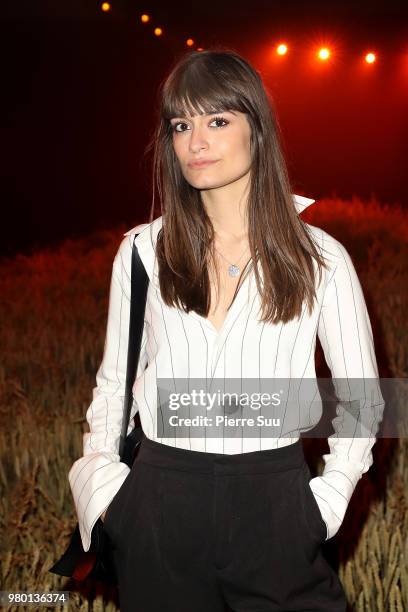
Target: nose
point(197, 139)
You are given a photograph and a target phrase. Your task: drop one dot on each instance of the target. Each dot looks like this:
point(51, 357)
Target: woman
point(239, 288)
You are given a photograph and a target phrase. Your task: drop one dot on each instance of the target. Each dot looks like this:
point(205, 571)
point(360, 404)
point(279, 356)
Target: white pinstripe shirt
point(182, 345)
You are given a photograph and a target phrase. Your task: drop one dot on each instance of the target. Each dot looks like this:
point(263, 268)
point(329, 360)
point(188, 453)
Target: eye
point(220, 119)
point(175, 125)
point(215, 119)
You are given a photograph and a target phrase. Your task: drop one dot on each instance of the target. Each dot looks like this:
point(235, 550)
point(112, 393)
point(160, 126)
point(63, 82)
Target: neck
point(227, 208)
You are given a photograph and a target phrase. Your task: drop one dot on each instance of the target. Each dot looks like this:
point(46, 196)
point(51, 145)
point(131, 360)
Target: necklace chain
point(233, 269)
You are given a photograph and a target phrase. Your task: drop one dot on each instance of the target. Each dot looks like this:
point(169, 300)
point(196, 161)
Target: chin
point(208, 182)
point(203, 185)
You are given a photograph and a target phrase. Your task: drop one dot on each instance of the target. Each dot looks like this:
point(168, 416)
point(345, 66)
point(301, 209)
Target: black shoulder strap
point(139, 286)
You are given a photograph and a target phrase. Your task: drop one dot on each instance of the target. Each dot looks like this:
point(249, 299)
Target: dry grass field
point(53, 313)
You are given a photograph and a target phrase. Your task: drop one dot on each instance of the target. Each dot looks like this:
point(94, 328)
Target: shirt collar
point(301, 202)
point(147, 236)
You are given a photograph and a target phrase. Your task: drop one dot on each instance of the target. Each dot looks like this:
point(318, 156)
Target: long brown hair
point(213, 81)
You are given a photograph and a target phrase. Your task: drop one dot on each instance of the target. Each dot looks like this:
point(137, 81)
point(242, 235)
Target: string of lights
point(282, 48)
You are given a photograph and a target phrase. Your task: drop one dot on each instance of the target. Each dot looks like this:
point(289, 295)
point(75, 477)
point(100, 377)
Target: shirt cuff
point(94, 482)
point(333, 491)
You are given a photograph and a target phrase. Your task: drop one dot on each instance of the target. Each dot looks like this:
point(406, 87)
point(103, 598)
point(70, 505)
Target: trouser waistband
point(264, 461)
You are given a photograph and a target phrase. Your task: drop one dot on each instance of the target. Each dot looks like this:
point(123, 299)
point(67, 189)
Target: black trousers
point(206, 532)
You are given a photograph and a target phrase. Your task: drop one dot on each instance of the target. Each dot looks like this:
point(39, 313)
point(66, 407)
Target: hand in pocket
point(105, 516)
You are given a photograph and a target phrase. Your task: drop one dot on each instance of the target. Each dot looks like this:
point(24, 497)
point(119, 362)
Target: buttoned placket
point(218, 338)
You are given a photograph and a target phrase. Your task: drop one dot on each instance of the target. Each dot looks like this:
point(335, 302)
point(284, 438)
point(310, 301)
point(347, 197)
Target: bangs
point(200, 92)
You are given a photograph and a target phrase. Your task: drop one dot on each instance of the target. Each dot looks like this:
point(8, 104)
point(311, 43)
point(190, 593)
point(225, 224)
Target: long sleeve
point(346, 337)
point(96, 477)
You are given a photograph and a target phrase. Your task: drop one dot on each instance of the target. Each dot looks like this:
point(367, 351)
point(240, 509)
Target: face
point(222, 138)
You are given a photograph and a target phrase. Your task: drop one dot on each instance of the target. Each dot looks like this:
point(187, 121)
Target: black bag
point(97, 562)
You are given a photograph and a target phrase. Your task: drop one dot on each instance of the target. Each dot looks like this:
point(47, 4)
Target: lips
point(202, 163)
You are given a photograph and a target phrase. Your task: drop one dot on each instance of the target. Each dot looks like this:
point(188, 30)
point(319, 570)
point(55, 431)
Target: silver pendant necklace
point(233, 269)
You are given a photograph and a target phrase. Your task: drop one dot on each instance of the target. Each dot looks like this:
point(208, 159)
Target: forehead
point(181, 115)
point(188, 105)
